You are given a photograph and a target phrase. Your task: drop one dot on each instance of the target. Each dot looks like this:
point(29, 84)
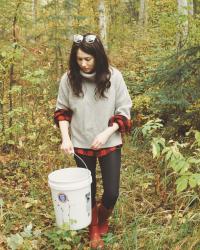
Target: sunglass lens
point(78, 38)
point(90, 38)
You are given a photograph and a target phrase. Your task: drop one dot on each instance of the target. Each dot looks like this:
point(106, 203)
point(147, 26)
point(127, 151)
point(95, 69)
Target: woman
point(94, 103)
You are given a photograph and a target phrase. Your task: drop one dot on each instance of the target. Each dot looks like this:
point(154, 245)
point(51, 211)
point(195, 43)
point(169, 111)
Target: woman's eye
point(86, 59)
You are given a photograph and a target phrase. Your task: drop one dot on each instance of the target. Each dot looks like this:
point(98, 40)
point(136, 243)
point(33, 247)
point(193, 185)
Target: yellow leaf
point(27, 205)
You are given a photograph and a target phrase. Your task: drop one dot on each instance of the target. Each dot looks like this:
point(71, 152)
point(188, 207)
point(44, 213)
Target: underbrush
point(148, 214)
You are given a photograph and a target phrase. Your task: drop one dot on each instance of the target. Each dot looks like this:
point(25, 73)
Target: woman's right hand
point(67, 147)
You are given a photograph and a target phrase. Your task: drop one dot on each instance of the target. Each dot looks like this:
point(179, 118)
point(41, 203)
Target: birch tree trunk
point(103, 23)
point(143, 14)
point(184, 26)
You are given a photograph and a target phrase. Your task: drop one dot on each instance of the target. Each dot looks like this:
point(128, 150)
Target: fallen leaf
point(28, 205)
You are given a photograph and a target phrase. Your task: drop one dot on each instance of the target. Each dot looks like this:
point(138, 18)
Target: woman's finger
point(66, 150)
point(97, 145)
point(94, 142)
point(71, 150)
point(94, 145)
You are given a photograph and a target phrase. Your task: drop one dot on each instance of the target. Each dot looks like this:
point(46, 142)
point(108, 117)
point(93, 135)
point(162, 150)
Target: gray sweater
point(91, 114)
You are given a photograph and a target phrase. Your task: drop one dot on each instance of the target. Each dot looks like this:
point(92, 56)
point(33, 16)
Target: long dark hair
point(102, 77)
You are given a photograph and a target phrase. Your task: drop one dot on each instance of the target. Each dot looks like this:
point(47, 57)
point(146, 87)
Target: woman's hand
point(100, 140)
point(67, 147)
point(103, 137)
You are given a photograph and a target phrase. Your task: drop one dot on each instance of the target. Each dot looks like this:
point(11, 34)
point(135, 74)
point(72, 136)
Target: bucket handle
point(81, 160)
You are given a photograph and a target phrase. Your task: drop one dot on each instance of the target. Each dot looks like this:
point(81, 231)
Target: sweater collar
point(90, 76)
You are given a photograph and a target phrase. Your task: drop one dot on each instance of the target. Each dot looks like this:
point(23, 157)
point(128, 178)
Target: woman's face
point(85, 61)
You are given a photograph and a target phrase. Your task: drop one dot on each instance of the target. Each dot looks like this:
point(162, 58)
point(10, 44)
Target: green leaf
point(151, 126)
point(1, 202)
point(165, 150)
point(197, 137)
point(155, 150)
point(197, 178)
point(15, 89)
point(193, 160)
point(180, 165)
point(182, 183)
point(11, 142)
point(157, 145)
point(192, 182)
point(3, 53)
point(15, 241)
point(39, 72)
point(168, 155)
point(176, 152)
point(23, 164)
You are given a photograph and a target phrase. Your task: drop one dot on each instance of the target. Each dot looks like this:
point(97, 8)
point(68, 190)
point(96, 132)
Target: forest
point(156, 46)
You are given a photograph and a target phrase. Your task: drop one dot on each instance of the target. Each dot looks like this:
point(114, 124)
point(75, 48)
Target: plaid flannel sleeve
point(62, 115)
point(124, 123)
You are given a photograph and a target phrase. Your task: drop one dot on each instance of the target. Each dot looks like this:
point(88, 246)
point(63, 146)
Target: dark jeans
point(110, 171)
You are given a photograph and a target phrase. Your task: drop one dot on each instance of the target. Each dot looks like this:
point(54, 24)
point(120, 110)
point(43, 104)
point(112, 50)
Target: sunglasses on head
point(87, 38)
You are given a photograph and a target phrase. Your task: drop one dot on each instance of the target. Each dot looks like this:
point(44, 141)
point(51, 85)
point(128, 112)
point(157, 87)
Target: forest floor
point(148, 215)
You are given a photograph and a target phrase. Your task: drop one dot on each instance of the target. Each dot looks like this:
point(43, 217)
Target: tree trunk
point(69, 26)
point(190, 7)
point(131, 7)
point(58, 52)
point(143, 14)
point(184, 28)
point(196, 8)
point(11, 75)
point(34, 14)
point(2, 107)
point(103, 23)
point(61, 59)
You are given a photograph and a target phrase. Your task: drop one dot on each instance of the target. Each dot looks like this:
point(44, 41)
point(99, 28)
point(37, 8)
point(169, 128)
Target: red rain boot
point(103, 215)
point(95, 239)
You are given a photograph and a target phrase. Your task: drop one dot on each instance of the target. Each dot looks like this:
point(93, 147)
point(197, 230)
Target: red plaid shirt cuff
point(124, 123)
point(62, 115)
point(98, 153)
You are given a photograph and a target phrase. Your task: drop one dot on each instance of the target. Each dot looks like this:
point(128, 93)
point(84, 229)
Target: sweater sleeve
point(123, 102)
point(63, 94)
point(124, 123)
point(63, 111)
point(123, 106)
point(62, 115)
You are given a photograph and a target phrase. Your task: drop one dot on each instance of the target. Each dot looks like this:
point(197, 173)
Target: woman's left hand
point(100, 140)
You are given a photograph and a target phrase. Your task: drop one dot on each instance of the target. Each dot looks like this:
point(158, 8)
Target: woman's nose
point(83, 63)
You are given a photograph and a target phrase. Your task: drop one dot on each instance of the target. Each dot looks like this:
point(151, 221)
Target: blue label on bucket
point(88, 203)
point(62, 197)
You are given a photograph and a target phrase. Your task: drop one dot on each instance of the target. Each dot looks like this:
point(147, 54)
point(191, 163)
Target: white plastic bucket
point(71, 194)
